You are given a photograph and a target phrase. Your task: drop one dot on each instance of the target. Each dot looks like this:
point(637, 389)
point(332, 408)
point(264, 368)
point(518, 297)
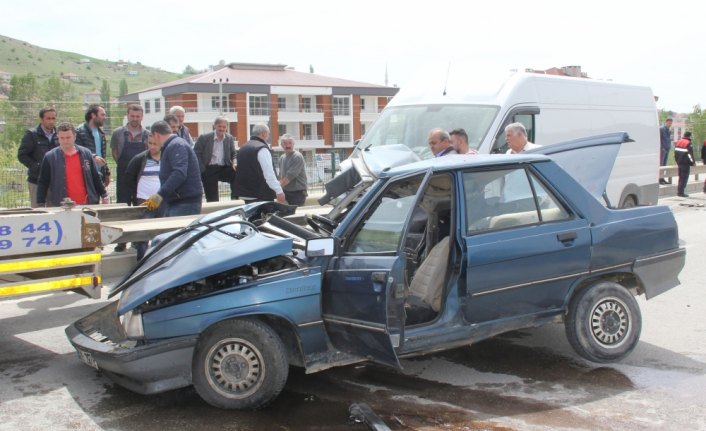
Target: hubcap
point(235, 368)
point(610, 322)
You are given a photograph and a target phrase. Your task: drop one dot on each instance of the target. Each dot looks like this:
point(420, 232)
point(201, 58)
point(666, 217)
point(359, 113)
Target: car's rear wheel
point(629, 202)
point(239, 364)
point(603, 322)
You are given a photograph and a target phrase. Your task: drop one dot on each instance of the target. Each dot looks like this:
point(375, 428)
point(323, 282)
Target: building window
point(148, 106)
point(341, 106)
point(362, 104)
point(157, 105)
point(307, 130)
point(259, 105)
point(342, 132)
point(282, 128)
point(306, 104)
point(217, 105)
point(362, 129)
point(281, 103)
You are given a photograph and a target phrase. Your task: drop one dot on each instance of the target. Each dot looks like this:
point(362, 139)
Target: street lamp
point(220, 93)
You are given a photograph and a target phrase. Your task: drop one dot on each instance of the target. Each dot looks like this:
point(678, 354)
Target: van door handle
point(566, 237)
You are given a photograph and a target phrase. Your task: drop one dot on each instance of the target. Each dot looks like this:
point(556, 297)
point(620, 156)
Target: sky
point(656, 44)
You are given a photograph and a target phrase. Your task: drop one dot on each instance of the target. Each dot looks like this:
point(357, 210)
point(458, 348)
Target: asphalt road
point(525, 380)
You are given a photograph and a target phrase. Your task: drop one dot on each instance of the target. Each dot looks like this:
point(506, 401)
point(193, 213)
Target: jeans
point(175, 209)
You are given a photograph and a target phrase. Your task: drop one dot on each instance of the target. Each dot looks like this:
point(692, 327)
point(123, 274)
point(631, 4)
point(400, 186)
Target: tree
point(188, 70)
point(54, 90)
point(123, 87)
point(24, 95)
point(105, 99)
point(696, 122)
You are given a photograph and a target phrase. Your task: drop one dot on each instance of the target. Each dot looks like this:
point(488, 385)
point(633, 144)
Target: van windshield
point(410, 125)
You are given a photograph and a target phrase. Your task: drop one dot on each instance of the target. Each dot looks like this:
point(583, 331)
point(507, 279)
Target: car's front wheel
point(239, 364)
point(603, 322)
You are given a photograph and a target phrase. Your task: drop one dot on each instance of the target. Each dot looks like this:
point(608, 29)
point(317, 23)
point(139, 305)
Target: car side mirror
point(320, 247)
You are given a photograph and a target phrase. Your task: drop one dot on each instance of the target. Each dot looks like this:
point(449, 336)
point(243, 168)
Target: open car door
point(364, 288)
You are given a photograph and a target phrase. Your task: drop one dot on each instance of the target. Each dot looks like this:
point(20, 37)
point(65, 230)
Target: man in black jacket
point(216, 153)
point(35, 144)
point(91, 135)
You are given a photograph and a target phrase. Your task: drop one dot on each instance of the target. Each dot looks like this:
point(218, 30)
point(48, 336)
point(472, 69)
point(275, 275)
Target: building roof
point(236, 77)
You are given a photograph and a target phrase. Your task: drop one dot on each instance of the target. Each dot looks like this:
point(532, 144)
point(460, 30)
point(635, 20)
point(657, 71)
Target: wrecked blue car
point(413, 259)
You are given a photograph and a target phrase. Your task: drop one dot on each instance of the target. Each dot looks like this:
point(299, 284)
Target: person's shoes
point(682, 195)
point(120, 247)
point(663, 181)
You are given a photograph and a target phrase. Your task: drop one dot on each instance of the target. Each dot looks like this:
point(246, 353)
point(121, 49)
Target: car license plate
point(87, 358)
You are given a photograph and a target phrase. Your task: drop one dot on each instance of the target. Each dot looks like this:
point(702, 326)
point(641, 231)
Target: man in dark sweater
point(179, 175)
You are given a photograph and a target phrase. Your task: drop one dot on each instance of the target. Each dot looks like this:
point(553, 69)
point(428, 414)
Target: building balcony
point(297, 115)
point(207, 115)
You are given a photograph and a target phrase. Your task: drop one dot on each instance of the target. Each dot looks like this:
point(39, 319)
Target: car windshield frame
point(410, 125)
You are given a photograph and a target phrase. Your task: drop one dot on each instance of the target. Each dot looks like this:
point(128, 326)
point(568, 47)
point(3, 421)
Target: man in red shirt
point(69, 171)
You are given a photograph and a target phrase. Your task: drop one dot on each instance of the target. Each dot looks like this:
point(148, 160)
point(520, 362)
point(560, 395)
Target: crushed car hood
point(204, 248)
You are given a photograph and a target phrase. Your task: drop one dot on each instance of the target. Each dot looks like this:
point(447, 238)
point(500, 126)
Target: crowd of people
point(160, 168)
point(164, 170)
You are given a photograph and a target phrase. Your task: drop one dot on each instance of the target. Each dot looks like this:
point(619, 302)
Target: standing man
point(142, 181)
point(180, 181)
point(180, 113)
point(292, 172)
point(684, 156)
point(665, 144)
point(173, 122)
point(440, 143)
point(90, 135)
point(459, 140)
point(69, 171)
point(216, 154)
point(255, 178)
point(516, 136)
point(35, 144)
point(125, 143)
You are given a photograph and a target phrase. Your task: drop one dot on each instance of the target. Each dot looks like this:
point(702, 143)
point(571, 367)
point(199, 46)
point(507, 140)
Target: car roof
point(463, 161)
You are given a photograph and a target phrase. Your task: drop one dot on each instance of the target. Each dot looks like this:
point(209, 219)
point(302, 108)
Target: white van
point(553, 109)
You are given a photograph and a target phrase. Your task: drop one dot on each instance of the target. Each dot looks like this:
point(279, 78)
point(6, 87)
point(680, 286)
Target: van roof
point(521, 87)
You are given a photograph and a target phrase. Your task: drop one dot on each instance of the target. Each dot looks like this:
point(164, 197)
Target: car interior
point(427, 246)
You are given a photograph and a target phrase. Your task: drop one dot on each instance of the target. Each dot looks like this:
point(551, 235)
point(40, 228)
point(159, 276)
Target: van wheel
point(629, 202)
point(603, 322)
point(239, 364)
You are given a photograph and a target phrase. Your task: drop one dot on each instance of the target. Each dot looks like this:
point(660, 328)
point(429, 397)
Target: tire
point(239, 364)
point(603, 323)
point(629, 202)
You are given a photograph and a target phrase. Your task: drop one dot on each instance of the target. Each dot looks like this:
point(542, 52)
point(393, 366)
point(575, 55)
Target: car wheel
point(629, 202)
point(603, 322)
point(239, 364)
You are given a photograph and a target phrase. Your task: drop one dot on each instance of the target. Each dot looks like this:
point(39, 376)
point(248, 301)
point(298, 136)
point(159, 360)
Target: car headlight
point(132, 324)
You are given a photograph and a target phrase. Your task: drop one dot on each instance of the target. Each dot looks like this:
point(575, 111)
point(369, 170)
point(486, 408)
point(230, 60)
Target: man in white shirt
point(516, 137)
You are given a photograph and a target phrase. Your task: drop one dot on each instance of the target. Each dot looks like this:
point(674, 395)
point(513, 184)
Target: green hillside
point(20, 58)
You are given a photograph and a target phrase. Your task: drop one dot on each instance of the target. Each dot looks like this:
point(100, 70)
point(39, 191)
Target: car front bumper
point(144, 368)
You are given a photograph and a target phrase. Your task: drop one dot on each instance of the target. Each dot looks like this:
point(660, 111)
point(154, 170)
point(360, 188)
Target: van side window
point(507, 198)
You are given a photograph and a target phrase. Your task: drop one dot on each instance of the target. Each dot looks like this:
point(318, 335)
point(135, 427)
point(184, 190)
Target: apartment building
point(324, 114)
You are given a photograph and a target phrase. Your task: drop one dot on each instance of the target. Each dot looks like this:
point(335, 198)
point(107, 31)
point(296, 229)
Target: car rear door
point(363, 291)
point(525, 246)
